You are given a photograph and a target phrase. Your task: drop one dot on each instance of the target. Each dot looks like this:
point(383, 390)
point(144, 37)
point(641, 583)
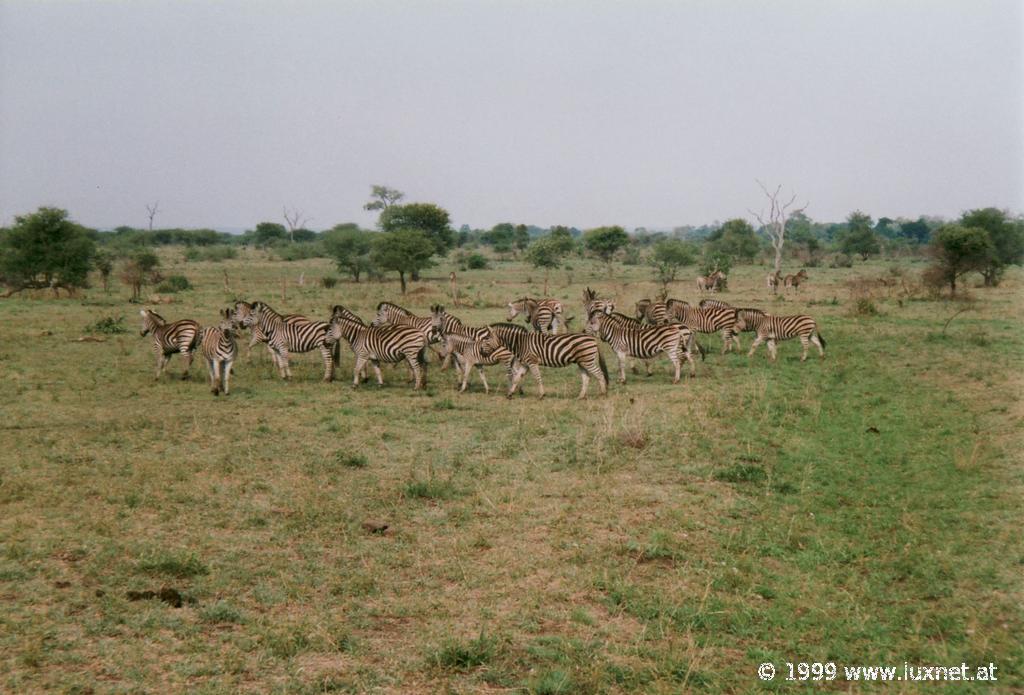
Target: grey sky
point(580, 113)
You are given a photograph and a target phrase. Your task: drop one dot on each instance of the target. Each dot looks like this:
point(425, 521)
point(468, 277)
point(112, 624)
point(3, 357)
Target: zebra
point(714, 303)
point(533, 350)
point(712, 320)
point(774, 328)
point(470, 352)
point(283, 337)
point(655, 313)
point(644, 343)
point(676, 309)
point(795, 280)
point(543, 314)
point(712, 282)
point(389, 314)
point(342, 311)
point(747, 314)
point(219, 349)
point(592, 303)
point(169, 338)
point(258, 336)
point(376, 344)
point(774, 279)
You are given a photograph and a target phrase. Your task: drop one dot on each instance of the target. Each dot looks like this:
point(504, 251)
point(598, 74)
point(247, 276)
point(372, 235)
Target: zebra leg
point(805, 344)
point(584, 383)
point(772, 349)
point(647, 366)
point(161, 363)
point(753, 346)
point(465, 369)
point(226, 374)
point(417, 373)
point(187, 354)
point(736, 340)
point(622, 366)
point(376, 370)
point(483, 378)
point(282, 363)
point(359, 366)
point(817, 343)
point(726, 340)
point(693, 365)
point(248, 349)
point(215, 374)
point(328, 363)
point(673, 356)
point(535, 371)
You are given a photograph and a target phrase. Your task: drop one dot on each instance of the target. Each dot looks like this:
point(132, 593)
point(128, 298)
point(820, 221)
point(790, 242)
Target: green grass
point(862, 510)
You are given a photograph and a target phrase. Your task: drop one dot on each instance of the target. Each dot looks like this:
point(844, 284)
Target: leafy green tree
point(546, 253)
point(1006, 235)
point(958, 250)
point(383, 198)
point(917, 231)
point(501, 237)
point(668, 256)
point(428, 218)
point(350, 248)
point(859, 238)
point(45, 249)
point(103, 261)
point(563, 238)
point(605, 242)
point(736, 238)
point(522, 237)
point(886, 227)
point(404, 251)
point(266, 233)
point(140, 270)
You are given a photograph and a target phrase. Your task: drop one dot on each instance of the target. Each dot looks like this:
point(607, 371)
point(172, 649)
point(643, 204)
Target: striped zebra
point(774, 280)
point(712, 320)
point(339, 310)
point(714, 304)
point(218, 347)
point(644, 343)
point(534, 350)
point(748, 314)
point(169, 338)
point(470, 352)
point(389, 314)
point(775, 328)
point(676, 309)
point(795, 280)
point(591, 303)
point(543, 314)
point(376, 344)
point(284, 338)
point(655, 313)
point(257, 336)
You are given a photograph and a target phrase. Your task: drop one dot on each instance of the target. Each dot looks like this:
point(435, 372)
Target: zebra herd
point(664, 327)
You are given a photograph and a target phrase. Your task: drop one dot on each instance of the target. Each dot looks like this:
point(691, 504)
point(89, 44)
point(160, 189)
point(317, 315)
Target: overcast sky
point(581, 113)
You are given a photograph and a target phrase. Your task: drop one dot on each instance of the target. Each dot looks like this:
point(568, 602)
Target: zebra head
point(243, 314)
point(437, 322)
point(595, 321)
point(150, 320)
point(641, 308)
point(227, 323)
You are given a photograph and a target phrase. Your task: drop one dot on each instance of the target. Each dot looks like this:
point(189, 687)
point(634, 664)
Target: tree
point(267, 233)
point(668, 256)
point(404, 251)
point(350, 248)
point(151, 211)
point(428, 218)
point(546, 253)
point(735, 238)
point(563, 238)
point(522, 237)
point(886, 227)
point(45, 249)
point(295, 221)
point(605, 242)
point(103, 261)
point(140, 270)
point(917, 231)
point(958, 250)
point(859, 238)
point(773, 222)
point(383, 198)
point(1006, 235)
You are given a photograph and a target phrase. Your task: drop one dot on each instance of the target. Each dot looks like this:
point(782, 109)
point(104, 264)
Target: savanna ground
point(860, 510)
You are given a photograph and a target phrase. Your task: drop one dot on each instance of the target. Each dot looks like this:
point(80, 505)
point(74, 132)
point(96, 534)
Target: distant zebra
point(218, 347)
point(169, 338)
point(534, 350)
point(376, 344)
point(774, 328)
point(543, 314)
point(712, 320)
point(283, 337)
point(591, 303)
point(644, 343)
point(774, 280)
point(712, 282)
point(795, 280)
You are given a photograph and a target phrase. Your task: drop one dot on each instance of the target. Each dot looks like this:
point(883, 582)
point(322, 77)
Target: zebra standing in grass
point(795, 280)
point(534, 350)
point(644, 343)
point(169, 338)
point(543, 314)
point(219, 349)
point(470, 352)
point(284, 338)
point(389, 314)
point(774, 328)
point(376, 344)
point(711, 320)
point(773, 281)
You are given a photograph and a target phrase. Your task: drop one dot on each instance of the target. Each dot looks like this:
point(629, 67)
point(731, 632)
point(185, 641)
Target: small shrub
point(432, 489)
point(328, 282)
point(462, 656)
point(221, 612)
point(741, 473)
point(174, 283)
point(841, 260)
point(173, 565)
point(108, 325)
point(865, 307)
point(350, 460)
point(476, 261)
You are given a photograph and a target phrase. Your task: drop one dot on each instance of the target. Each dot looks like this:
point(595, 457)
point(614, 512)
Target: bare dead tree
point(774, 221)
point(295, 221)
point(151, 211)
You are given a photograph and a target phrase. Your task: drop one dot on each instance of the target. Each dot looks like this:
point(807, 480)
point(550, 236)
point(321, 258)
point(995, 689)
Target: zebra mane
point(395, 307)
point(155, 315)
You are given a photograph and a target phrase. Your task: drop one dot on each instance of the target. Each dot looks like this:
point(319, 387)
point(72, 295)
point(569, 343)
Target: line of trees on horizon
point(46, 249)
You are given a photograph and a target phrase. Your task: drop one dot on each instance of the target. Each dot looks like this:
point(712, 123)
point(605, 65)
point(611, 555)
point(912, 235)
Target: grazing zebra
point(655, 313)
point(376, 344)
point(543, 314)
point(591, 303)
point(795, 280)
point(169, 338)
point(773, 281)
point(644, 343)
point(219, 349)
point(283, 337)
point(774, 328)
point(534, 350)
point(711, 320)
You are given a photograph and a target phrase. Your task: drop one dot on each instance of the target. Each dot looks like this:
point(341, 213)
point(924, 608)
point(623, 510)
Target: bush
point(841, 260)
point(476, 261)
point(328, 282)
point(865, 307)
point(298, 251)
point(174, 283)
point(108, 325)
point(213, 254)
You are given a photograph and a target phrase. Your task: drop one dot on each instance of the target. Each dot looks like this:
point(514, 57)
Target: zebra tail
point(336, 353)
